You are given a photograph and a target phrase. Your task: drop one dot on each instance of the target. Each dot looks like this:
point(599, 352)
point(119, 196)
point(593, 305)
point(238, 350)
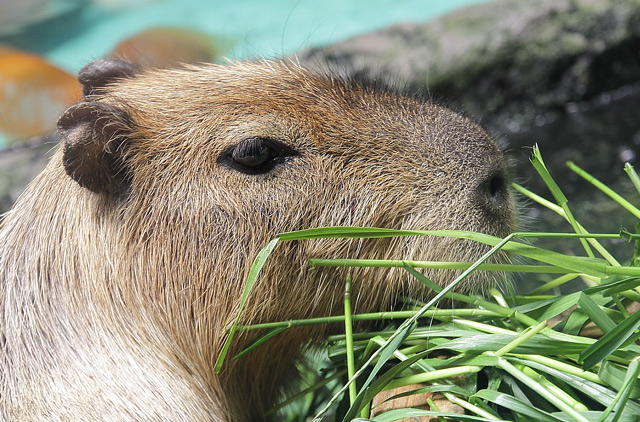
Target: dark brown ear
point(95, 139)
point(99, 73)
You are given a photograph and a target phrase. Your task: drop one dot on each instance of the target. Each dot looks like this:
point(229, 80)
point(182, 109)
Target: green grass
point(500, 360)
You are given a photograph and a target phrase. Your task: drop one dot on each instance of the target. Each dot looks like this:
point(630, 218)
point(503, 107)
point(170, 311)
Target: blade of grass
point(420, 365)
point(533, 384)
point(440, 314)
point(385, 352)
point(610, 342)
point(560, 366)
point(298, 396)
point(348, 331)
point(630, 381)
point(524, 336)
point(612, 287)
point(409, 413)
point(594, 390)
point(438, 374)
point(636, 251)
point(389, 263)
point(516, 405)
point(257, 265)
point(570, 263)
point(572, 324)
point(597, 315)
point(560, 211)
point(605, 189)
point(557, 193)
point(504, 312)
point(615, 376)
point(498, 297)
point(554, 389)
point(628, 168)
point(540, 344)
point(560, 305)
point(559, 281)
point(592, 267)
point(259, 342)
point(485, 328)
point(344, 232)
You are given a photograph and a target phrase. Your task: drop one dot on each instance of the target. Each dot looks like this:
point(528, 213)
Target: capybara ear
point(99, 73)
point(95, 137)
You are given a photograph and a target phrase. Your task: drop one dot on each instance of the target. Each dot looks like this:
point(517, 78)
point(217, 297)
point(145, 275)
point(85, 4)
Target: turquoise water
point(252, 27)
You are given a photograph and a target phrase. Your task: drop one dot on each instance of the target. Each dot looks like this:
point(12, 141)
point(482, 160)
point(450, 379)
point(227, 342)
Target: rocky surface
point(20, 164)
point(504, 61)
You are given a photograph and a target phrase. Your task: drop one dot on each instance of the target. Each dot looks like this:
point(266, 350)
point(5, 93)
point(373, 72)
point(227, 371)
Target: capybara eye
point(256, 155)
point(252, 152)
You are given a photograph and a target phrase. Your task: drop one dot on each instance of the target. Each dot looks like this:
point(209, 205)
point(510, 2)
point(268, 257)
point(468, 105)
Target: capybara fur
point(123, 263)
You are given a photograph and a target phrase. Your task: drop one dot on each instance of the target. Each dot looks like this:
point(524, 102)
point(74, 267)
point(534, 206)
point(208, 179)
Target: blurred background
point(43, 43)
point(561, 73)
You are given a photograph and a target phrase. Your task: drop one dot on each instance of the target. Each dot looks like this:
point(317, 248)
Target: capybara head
point(124, 262)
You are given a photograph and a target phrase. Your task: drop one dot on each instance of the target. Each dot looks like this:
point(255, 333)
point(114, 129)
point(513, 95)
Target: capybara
point(123, 263)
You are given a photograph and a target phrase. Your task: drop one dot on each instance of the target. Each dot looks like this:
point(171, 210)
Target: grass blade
point(629, 383)
point(560, 198)
point(597, 315)
point(616, 376)
point(610, 342)
point(385, 353)
point(398, 414)
point(516, 405)
point(605, 189)
point(257, 265)
point(530, 382)
point(259, 342)
point(595, 391)
point(348, 333)
point(628, 168)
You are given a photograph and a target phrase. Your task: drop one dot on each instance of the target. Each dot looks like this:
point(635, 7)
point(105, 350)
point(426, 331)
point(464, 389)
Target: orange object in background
point(168, 47)
point(33, 94)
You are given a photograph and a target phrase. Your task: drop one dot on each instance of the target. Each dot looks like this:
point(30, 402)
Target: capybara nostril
point(497, 188)
point(492, 193)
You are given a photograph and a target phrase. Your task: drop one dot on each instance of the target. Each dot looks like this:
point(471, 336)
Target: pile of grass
point(504, 357)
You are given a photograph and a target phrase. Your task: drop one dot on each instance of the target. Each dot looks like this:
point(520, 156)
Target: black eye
point(256, 155)
point(252, 152)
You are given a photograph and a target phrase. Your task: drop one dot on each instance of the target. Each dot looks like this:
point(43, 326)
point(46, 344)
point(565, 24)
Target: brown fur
point(124, 260)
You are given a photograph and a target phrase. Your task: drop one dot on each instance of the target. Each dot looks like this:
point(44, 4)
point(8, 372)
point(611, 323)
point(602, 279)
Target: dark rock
point(504, 61)
point(20, 164)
